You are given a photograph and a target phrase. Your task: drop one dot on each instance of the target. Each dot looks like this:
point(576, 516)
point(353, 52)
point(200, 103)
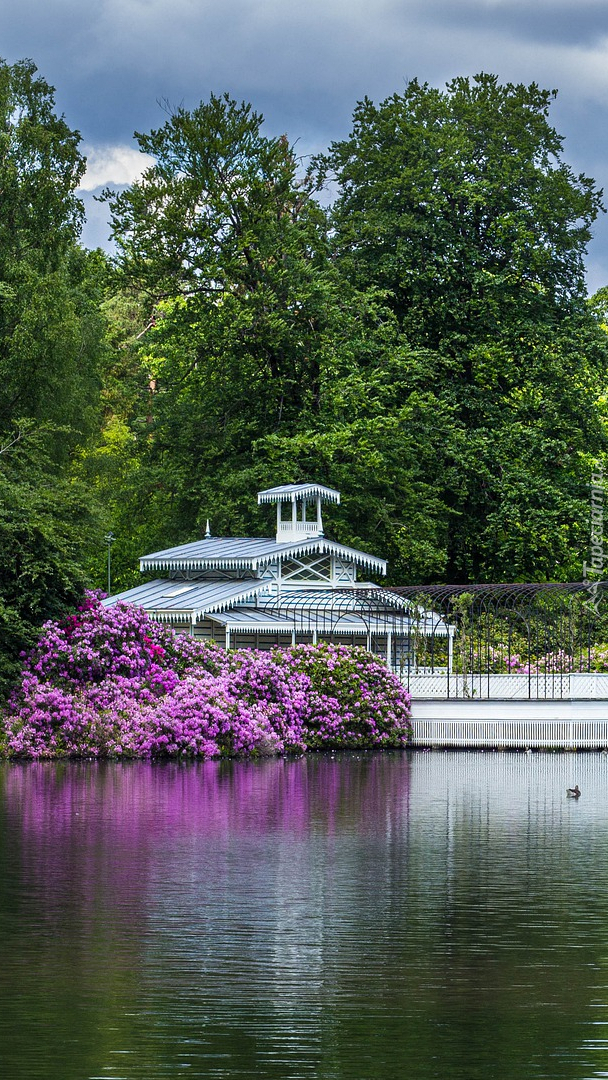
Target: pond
point(430, 915)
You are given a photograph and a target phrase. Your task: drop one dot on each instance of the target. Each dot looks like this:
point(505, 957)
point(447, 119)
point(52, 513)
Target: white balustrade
point(547, 686)
point(298, 526)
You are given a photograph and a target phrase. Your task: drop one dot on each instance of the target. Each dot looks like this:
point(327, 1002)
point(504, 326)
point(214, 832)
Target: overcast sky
point(304, 64)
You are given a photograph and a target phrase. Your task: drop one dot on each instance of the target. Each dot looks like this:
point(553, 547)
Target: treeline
point(424, 342)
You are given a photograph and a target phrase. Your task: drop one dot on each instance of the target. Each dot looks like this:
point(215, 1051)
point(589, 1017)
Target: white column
point(450, 651)
point(278, 521)
point(319, 518)
point(294, 512)
point(227, 637)
point(389, 651)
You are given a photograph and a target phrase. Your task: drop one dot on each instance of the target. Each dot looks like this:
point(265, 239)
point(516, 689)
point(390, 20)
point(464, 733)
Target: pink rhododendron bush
point(109, 682)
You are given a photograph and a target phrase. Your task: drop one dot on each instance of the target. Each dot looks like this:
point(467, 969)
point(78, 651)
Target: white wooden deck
point(511, 724)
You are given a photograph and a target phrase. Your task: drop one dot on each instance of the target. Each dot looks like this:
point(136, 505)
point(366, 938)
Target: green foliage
point(51, 340)
point(40, 166)
point(50, 327)
point(460, 203)
point(223, 219)
point(47, 523)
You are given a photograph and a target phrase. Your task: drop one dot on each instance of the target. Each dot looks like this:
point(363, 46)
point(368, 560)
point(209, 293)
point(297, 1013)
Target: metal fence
point(523, 641)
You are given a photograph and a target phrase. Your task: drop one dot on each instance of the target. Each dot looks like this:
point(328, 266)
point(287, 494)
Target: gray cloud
point(565, 22)
point(112, 61)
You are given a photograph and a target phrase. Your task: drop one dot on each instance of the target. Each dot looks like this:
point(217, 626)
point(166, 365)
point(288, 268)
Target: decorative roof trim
point(256, 562)
point(169, 615)
point(233, 601)
point(320, 543)
point(286, 492)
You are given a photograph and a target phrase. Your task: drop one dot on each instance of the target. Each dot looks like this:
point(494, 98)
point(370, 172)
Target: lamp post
point(109, 539)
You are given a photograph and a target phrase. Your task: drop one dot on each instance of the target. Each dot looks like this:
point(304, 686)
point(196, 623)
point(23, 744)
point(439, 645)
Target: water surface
point(427, 915)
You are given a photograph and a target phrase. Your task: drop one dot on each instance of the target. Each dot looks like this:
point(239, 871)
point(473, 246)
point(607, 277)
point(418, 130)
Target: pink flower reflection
point(94, 832)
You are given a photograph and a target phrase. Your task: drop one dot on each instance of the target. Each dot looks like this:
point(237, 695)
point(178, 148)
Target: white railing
point(577, 685)
point(299, 526)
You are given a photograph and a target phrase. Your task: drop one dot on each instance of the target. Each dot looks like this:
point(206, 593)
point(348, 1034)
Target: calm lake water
point(423, 915)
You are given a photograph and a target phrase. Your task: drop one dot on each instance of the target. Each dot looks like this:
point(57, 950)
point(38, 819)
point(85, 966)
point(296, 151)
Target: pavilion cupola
point(301, 519)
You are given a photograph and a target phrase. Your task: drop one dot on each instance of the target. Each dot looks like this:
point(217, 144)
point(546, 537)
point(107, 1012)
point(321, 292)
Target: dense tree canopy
point(460, 203)
point(51, 334)
point(223, 219)
point(49, 321)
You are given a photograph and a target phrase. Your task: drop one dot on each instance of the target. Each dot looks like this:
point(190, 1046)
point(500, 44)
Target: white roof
point(187, 600)
point(240, 553)
point(287, 492)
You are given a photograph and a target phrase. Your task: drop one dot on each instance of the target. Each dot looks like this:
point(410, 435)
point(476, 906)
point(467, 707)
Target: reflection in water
point(354, 917)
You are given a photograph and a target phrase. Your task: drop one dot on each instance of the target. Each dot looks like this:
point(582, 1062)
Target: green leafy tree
point(224, 220)
point(459, 204)
point(50, 327)
point(51, 341)
point(47, 526)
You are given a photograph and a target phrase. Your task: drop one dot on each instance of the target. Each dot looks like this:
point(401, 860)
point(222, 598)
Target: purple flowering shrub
point(110, 682)
point(353, 700)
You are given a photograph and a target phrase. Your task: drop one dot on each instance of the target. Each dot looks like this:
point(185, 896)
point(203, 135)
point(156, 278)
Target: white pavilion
point(297, 586)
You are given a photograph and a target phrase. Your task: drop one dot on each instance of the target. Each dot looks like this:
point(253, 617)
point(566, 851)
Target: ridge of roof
point(232, 553)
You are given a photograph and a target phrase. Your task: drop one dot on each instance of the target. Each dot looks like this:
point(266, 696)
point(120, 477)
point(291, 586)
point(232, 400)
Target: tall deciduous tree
point(51, 334)
point(224, 220)
point(50, 328)
point(461, 204)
